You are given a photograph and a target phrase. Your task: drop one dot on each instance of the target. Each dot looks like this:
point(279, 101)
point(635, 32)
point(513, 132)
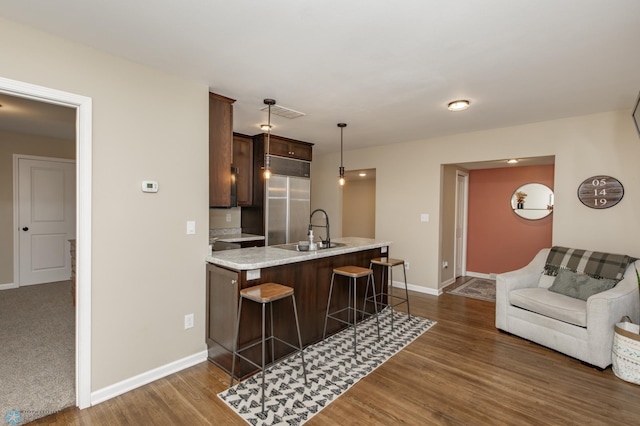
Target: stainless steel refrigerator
point(287, 209)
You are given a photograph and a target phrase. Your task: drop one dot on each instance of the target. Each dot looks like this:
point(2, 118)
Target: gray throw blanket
point(593, 263)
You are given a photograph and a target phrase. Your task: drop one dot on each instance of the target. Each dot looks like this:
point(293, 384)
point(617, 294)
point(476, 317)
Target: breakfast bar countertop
point(264, 257)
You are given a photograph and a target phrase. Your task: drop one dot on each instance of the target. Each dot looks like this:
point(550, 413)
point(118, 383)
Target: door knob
point(26, 228)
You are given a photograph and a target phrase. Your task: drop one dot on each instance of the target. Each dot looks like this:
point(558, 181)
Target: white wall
point(147, 273)
point(408, 179)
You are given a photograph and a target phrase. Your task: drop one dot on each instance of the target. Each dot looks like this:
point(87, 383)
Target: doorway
point(359, 204)
point(83, 108)
point(487, 213)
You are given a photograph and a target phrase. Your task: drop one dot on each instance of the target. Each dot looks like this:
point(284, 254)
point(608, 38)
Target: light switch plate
point(191, 227)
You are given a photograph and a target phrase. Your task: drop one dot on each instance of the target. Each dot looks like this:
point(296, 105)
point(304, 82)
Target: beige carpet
point(477, 288)
point(37, 351)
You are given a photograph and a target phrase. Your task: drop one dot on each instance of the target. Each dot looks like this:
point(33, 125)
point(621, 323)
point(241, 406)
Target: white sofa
point(581, 329)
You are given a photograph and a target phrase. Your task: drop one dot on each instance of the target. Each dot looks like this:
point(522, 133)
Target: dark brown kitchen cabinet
point(285, 147)
point(243, 162)
point(220, 150)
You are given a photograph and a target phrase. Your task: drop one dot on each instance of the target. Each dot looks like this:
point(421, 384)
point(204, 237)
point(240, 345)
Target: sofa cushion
point(550, 304)
point(580, 286)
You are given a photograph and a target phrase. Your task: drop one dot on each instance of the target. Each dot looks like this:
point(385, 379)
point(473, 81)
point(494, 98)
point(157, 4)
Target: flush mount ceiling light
point(267, 156)
point(362, 174)
point(459, 105)
point(341, 169)
point(265, 127)
point(512, 161)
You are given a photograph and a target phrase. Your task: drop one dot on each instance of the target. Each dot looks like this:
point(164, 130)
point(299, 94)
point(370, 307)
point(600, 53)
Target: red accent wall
point(498, 240)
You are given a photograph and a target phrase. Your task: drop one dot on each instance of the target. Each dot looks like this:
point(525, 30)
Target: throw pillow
point(579, 286)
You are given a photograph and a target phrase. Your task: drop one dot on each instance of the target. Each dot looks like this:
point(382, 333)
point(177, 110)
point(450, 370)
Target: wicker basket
point(625, 356)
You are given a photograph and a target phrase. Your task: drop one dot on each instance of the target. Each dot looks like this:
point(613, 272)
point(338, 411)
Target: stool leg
point(406, 290)
point(390, 292)
point(295, 314)
point(355, 332)
point(375, 305)
point(235, 344)
point(326, 317)
point(273, 352)
point(366, 294)
point(264, 306)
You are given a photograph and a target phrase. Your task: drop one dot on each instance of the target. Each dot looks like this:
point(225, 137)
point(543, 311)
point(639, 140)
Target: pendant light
point(267, 156)
point(341, 170)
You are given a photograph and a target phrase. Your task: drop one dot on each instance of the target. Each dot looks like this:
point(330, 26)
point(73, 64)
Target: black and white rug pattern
point(331, 370)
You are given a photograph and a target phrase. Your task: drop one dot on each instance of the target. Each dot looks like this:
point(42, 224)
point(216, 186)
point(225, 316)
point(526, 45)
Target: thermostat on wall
point(149, 186)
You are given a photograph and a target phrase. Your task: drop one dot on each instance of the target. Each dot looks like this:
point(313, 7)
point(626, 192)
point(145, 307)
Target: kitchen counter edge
point(265, 257)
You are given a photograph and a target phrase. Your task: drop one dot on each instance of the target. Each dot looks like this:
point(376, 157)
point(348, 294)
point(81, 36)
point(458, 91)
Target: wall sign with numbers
point(600, 192)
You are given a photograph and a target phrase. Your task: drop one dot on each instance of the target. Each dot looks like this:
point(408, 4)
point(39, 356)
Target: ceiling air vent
point(284, 112)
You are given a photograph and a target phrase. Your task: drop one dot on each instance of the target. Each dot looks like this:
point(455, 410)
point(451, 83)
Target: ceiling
point(387, 69)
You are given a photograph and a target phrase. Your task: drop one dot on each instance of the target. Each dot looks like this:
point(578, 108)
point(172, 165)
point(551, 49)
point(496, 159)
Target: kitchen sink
point(294, 246)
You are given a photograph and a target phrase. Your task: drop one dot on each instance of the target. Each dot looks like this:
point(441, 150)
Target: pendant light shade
point(341, 169)
point(267, 156)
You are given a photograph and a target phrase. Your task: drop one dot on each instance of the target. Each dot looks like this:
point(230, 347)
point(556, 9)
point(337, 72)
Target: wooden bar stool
point(266, 294)
point(392, 300)
point(352, 272)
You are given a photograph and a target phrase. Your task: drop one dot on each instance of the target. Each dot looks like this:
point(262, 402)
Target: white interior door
point(46, 218)
point(461, 225)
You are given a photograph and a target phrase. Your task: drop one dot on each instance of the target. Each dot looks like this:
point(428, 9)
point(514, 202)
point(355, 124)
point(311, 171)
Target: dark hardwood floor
point(461, 372)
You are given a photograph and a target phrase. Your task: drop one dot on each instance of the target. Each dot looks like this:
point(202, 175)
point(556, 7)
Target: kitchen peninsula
point(309, 273)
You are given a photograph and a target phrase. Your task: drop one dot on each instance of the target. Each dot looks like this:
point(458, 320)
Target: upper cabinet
point(220, 150)
point(243, 162)
point(285, 147)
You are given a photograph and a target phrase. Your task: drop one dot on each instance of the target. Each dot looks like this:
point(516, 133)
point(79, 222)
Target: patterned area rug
point(331, 370)
point(477, 288)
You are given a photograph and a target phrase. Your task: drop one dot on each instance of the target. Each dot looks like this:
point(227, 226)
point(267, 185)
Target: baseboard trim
point(8, 286)
point(132, 383)
point(481, 275)
point(417, 288)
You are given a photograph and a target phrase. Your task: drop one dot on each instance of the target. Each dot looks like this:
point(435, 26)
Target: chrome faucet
point(326, 226)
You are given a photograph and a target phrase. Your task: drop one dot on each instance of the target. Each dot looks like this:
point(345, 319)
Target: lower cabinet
point(222, 310)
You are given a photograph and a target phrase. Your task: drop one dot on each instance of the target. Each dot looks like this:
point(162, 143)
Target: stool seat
point(352, 271)
point(268, 292)
point(387, 261)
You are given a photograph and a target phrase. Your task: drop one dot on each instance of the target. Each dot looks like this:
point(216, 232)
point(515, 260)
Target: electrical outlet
point(406, 265)
point(228, 217)
point(188, 321)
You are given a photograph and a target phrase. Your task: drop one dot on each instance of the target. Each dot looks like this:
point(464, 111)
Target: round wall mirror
point(532, 201)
